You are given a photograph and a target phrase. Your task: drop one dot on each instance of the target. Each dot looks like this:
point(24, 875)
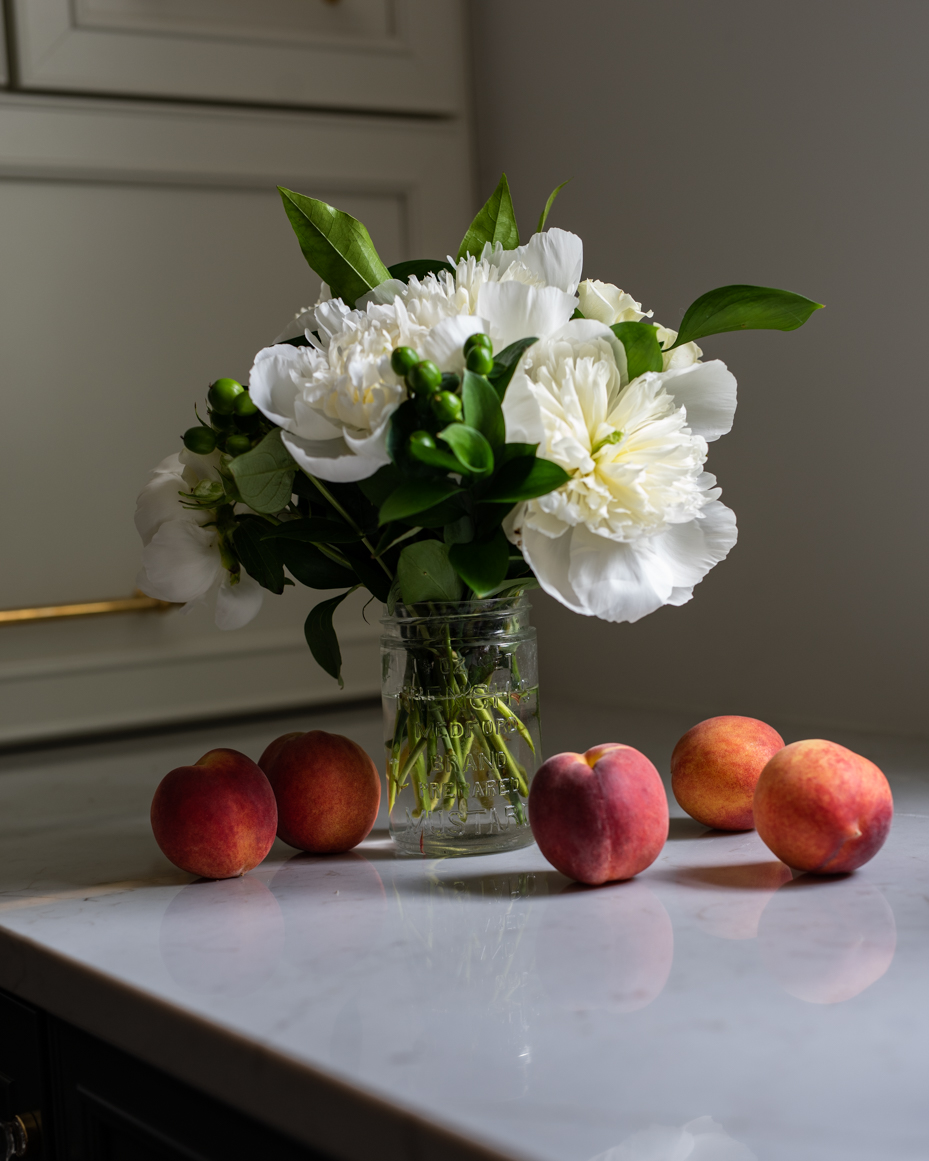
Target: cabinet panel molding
point(393, 55)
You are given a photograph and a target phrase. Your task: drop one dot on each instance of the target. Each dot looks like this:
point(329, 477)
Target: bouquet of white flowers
point(449, 431)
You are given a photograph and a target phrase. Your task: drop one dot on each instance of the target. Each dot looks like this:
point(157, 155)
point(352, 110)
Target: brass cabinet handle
point(21, 1137)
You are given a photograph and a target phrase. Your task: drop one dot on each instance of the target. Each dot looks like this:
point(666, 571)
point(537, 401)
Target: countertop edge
point(317, 1110)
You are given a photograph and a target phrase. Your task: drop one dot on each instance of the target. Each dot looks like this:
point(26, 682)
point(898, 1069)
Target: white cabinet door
point(145, 252)
point(391, 55)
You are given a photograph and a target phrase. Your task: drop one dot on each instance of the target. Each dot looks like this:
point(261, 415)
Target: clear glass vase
point(461, 716)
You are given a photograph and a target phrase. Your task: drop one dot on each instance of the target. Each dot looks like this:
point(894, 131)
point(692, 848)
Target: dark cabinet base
point(98, 1103)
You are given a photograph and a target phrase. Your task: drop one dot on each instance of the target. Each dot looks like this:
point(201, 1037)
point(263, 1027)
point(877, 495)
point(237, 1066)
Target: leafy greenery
point(257, 558)
point(415, 496)
point(643, 351)
point(336, 245)
point(264, 476)
point(495, 222)
point(548, 206)
point(482, 565)
point(740, 308)
point(321, 636)
point(525, 478)
point(505, 364)
point(482, 409)
point(471, 449)
point(313, 531)
point(425, 573)
point(418, 268)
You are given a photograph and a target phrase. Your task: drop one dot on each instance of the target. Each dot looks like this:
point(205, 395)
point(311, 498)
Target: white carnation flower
point(639, 523)
point(181, 559)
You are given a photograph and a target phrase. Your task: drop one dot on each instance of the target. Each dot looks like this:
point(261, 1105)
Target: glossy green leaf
point(435, 457)
point(312, 531)
point(482, 565)
point(643, 351)
point(495, 222)
point(439, 515)
point(415, 496)
point(336, 245)
point(505, 364)
point(744, 308)
point(258, 559)
point(404, 421)
point(524, 479)
point(548, 205)
point(322, 639)
point(311, 566)
point(471, 449)
point(378, 487)
point(370, 572)
point(426, 574)
point(419, 268)
point(264, 476)
point(482, 409)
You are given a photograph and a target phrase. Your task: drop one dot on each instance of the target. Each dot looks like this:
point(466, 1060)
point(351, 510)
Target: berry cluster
point(235, 422)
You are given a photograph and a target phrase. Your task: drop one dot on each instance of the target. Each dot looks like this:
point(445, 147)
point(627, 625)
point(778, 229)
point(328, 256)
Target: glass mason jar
point(461, 715)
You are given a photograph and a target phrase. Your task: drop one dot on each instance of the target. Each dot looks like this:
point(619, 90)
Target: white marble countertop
point(486, 1007)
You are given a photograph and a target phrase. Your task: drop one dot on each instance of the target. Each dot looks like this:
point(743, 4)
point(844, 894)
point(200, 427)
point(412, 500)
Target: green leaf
point(744, 308)
point(426, 574)
point(471, 449)
point(415, 496)
point(419, 268)
point(482, 409)
point(369, 571)
point(264, 476)
point(495, 222)
point(643, 351)
point(310, 566)
point(321, 636)
point(524, 479)
point(378, 487)
point(336, 245)
point(404, 421)
point(440, 515)
point(258, 559)
point(548, 205)
point(482, 565)
point(505, 364)
point(313, 531)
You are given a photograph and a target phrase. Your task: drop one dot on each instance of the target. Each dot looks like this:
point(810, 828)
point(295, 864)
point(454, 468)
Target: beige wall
point(781, 144)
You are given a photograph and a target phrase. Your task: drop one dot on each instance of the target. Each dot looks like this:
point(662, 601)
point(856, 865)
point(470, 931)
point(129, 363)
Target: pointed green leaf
point(425, 573)
point(643, 351)
point(313, 531)
point(741, 308)
point(415, 496)
point(259, 560)
point(482, 409)
point(495, 222)
point(524, 479)
point(482, 565)
point(336, 245)
point(378, 487)
point(418, 268)
point(264, 476)
point(322, 639)
point(505, 364)
point(310, 566)
point(548, 205)
point(471, 449)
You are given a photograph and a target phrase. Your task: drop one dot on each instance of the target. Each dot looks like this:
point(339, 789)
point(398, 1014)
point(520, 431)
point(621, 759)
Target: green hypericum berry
point(237, 444)
point(222, 395)
point(222, 422)
point(478, 341)
point(425, 376)
point(480, 361)
point(403, 360)
point(446, 407)
point(200, 440)
point(244, 404)
point(422, 440)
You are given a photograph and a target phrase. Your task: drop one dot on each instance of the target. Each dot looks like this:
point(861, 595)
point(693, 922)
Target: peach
point(327, 790)
point(820, 807)
point(216, 818)
point(599, 816)
point(715, 766)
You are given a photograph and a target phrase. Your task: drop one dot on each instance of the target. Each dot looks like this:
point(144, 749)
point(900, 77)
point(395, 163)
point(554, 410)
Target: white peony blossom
point(607, 304)
point(181, 559)
point(639, 523)
point(334, 399)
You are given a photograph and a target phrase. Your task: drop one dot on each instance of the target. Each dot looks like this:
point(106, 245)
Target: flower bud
point(480, 361)
point(403, 360)
point(480, 340)
point(200, 440)
point(425, 376)
point(237, 444)
point(222, 395)
point(446, 407)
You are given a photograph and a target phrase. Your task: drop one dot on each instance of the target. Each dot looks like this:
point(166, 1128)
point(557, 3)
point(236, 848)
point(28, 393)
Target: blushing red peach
point(599, 816)
point(327, 790)
point(216, 818)
point(822, 808)
point(715, 768)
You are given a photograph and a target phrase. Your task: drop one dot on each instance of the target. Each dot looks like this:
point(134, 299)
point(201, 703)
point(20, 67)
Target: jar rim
point(458, 610)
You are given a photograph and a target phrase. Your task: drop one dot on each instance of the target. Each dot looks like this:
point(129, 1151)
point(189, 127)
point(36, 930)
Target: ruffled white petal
point(335, 460)
point(521, 411)
point(272, 384)
point(180, 562)
point(237, 604)
point(444, 342)
point(515, 310)
point(555, 257)
point(708, 392)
